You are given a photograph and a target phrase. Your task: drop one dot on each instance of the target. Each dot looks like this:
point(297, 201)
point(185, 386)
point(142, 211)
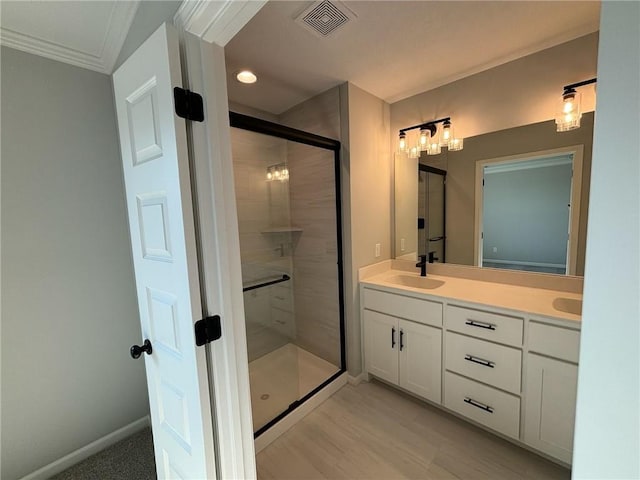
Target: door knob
point(137, 350)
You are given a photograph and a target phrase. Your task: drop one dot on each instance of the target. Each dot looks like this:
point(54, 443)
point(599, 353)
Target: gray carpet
point(129, 458)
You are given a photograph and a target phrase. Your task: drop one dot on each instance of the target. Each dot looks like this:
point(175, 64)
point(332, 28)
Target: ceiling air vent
point(324, 18)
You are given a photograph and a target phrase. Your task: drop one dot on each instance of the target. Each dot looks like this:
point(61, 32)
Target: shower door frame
point(257, 125)
point(443, 173)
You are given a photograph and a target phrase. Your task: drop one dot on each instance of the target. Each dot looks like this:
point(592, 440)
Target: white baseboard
point(299, 413)
point(85, 452)
point(357, 380)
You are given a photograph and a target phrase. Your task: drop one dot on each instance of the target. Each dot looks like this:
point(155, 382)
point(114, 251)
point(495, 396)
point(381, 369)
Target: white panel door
point(381, 345)
point(550, 408)
point(421, 360)
point(156, 171)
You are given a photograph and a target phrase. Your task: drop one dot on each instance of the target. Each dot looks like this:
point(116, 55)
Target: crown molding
point(216, 22)
point(119, 23)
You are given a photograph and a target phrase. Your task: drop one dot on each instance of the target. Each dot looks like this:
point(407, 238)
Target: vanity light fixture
point(431, 139)
point(278, 172)
point(569, 112)
point(246, 76)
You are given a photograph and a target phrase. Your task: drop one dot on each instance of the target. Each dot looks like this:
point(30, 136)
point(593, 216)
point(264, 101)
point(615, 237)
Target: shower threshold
point(282, 377)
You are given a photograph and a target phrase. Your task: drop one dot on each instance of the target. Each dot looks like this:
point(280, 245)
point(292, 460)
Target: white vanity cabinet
point(512, 370)
point(404, 351)
point(551, 386)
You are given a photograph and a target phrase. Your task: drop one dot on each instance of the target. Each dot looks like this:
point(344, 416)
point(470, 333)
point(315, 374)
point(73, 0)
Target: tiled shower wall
point(313, 208)
point(315, 256)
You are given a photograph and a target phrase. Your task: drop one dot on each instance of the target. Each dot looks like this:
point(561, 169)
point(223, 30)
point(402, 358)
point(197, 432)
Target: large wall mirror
point(512, 199)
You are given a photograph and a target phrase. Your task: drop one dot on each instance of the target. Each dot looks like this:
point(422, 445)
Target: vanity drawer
point(411, 308)
point(485, 405)
point(558, 342)
point(486, 362)
point(489, 325)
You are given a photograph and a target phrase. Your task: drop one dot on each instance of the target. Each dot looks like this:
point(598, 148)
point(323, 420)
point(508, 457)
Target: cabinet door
point(381, 345)
point(550, 406)
point(420, 349)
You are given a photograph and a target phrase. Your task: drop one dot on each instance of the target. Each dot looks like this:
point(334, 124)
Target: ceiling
point(393, 49)
point(87, 34)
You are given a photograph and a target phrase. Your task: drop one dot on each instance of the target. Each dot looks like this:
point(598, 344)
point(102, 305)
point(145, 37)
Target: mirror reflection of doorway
point(526, 213)
point(431, 213)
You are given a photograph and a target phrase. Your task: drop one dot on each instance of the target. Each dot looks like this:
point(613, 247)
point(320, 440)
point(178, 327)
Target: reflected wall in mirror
point(528, 211)
point(460, 214)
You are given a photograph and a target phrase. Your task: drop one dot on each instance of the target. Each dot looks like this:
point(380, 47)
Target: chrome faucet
point(423, 265)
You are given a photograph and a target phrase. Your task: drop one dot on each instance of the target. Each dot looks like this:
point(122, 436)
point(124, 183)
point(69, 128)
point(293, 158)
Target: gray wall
point(525, 215)
point(69, 312)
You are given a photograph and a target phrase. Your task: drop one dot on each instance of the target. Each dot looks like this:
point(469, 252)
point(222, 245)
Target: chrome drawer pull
point(479, 361)
point(479, 405)
point(476, 323)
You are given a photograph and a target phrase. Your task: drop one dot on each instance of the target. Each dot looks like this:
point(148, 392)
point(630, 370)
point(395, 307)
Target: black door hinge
point(188, 104)
point(207, 330)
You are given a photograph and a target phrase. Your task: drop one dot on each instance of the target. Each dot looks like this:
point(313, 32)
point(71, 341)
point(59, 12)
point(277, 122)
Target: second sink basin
point(568, 305)
point(416, 282)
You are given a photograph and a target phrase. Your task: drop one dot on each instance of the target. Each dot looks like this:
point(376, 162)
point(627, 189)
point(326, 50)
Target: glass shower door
point(266, 239)
point(431, 213)
point(288, 228)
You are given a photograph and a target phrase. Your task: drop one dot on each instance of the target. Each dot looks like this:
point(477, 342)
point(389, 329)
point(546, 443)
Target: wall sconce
point(278, 172)
point(569, 112)
point(431, 139)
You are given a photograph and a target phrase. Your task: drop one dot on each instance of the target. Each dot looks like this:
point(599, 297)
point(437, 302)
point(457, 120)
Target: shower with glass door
point(288, 203)
point(432, 239)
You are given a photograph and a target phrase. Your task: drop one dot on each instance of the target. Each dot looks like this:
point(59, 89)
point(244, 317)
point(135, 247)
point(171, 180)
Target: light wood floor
point(374, 432)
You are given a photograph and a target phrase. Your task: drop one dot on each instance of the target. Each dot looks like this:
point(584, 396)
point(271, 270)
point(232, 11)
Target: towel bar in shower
point(266, 282)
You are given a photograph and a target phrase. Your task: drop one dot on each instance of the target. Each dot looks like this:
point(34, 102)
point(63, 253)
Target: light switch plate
point(377, 250)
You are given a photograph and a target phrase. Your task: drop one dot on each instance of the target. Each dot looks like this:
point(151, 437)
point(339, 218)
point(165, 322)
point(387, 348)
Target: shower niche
point(288, 204)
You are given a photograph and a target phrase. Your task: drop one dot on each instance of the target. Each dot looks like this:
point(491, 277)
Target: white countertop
point(537, 301)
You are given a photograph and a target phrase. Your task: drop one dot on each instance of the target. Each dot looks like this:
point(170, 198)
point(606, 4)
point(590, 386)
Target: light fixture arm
point(431, 126)
point(573, 86)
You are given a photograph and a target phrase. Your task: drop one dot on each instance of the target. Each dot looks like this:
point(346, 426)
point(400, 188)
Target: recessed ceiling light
point(246, 76)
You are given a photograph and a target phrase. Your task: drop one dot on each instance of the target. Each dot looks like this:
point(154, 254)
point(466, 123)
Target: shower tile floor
point(283, 376)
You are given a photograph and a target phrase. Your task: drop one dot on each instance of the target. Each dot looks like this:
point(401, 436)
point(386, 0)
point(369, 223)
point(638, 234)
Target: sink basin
point(568, 305)
point(416, 282)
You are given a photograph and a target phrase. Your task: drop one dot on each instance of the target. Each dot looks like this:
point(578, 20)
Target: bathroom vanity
point(499, 349)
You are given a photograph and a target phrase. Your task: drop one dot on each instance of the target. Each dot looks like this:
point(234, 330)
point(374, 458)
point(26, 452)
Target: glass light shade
point(402, 143)
point(569, 112)
point(414, 152)
point(455, 144)
point(446, 135)
point(434, 147)
point(424, 139)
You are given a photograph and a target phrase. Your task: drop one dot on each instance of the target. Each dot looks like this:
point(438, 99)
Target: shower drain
point(264, 396)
